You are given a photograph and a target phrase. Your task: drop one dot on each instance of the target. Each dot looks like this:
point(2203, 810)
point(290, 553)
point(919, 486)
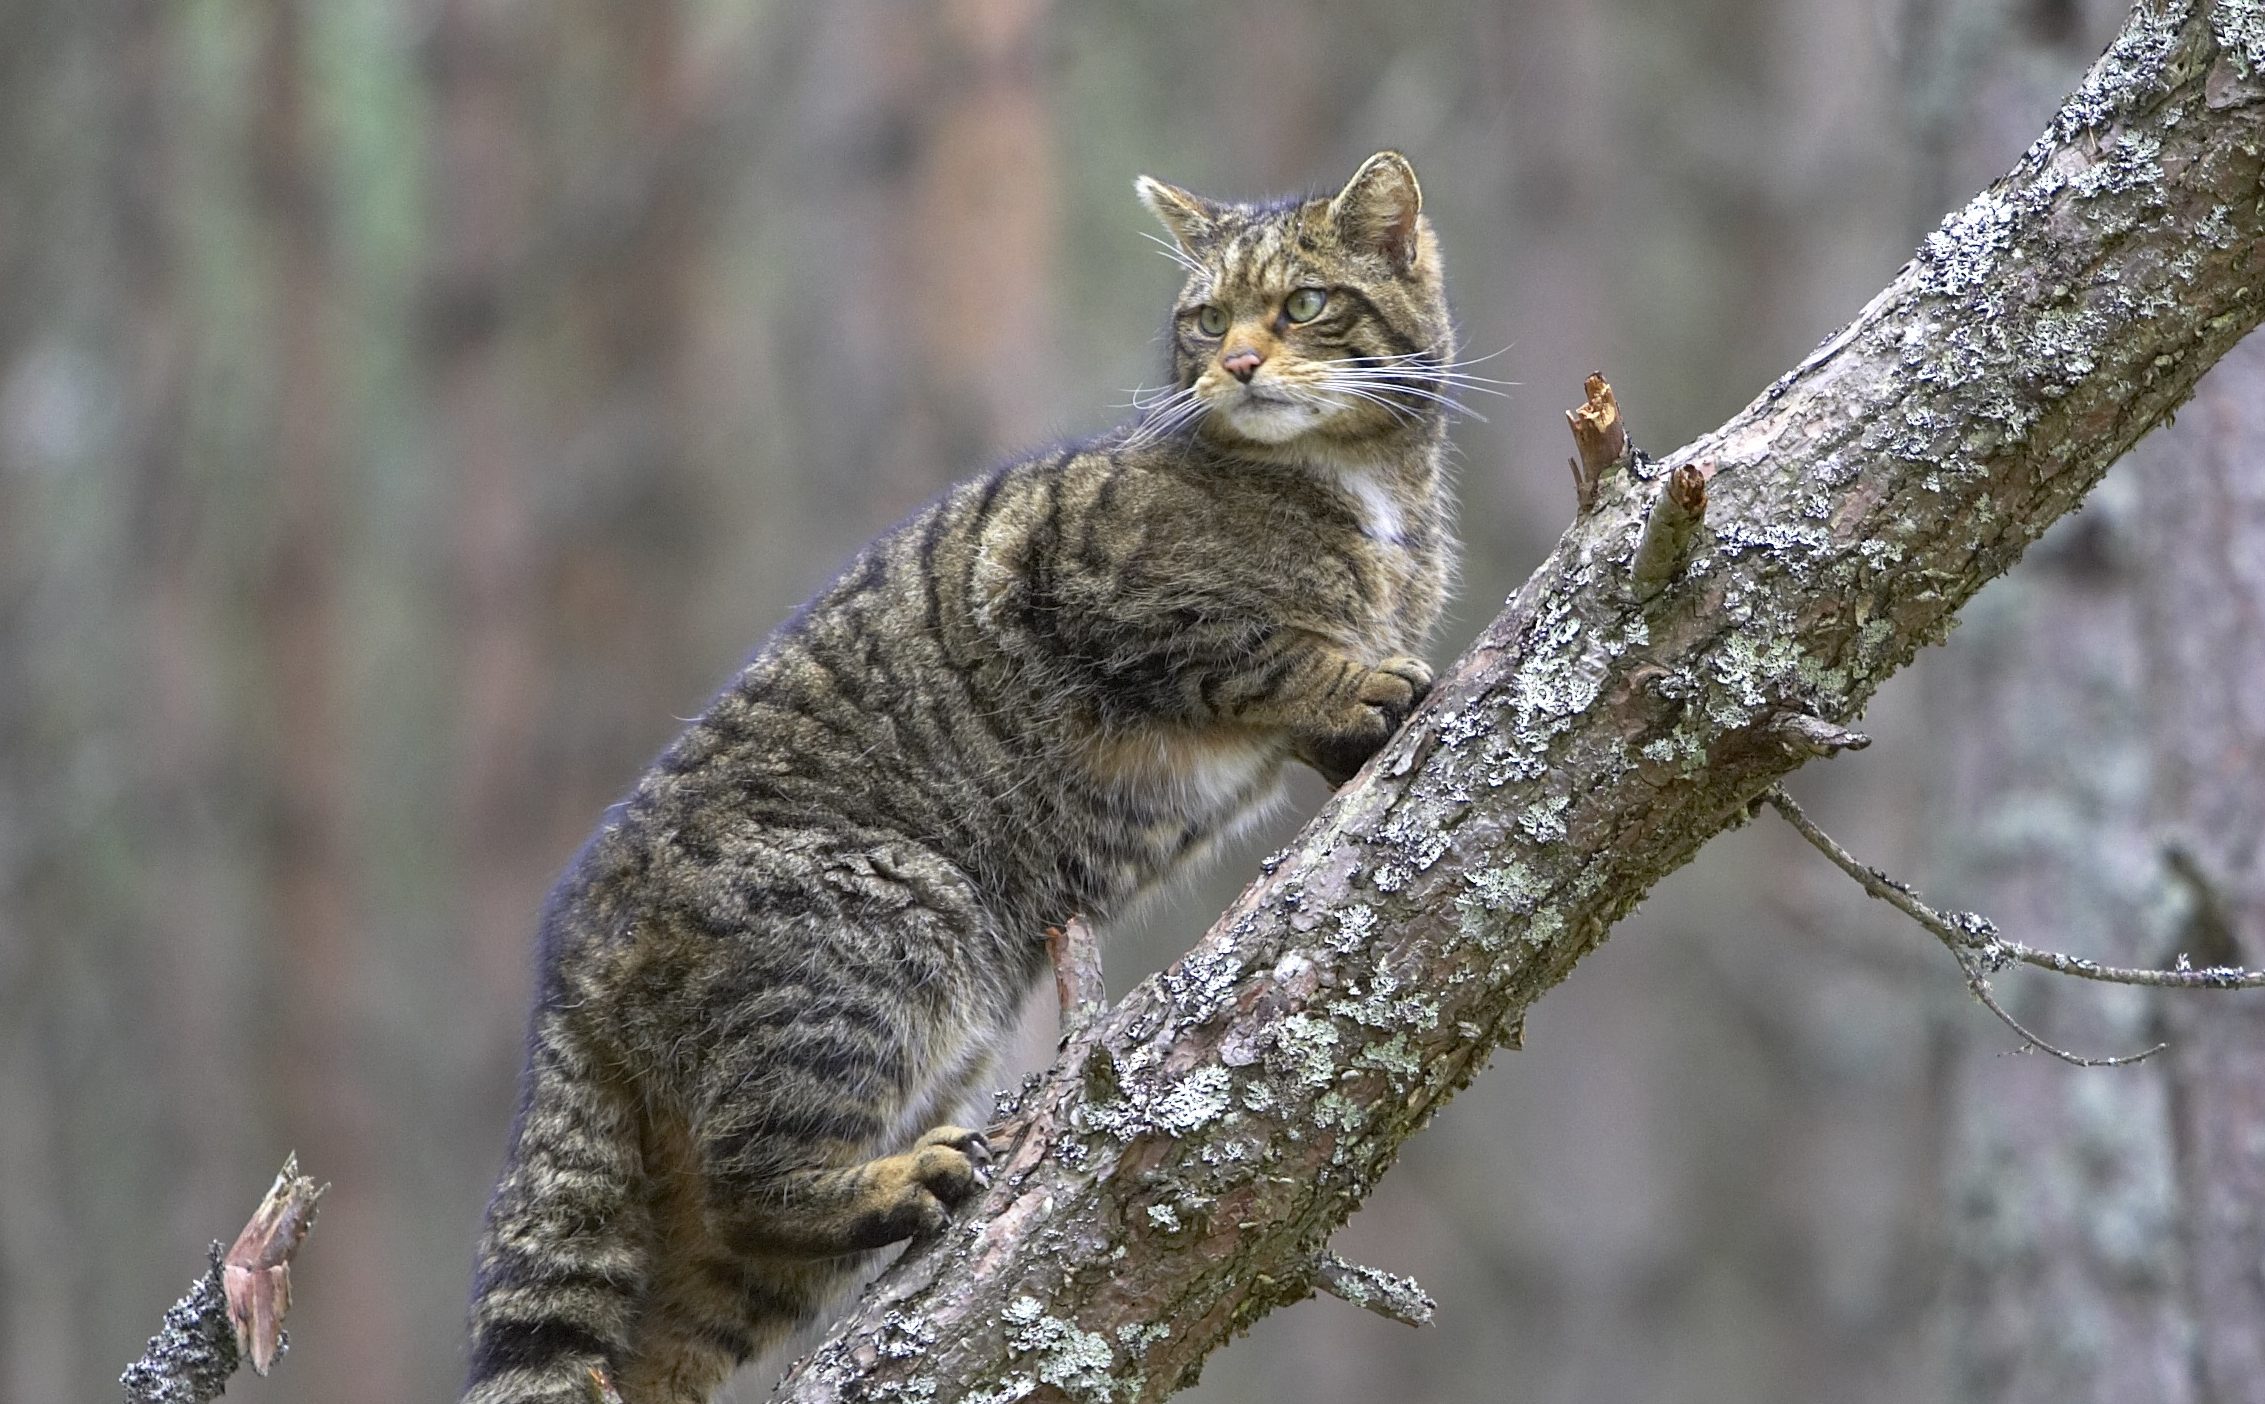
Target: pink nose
point(1242, 364)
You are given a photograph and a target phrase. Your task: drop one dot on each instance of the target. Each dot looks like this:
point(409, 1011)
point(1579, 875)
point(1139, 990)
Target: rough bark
point(1180, 1173)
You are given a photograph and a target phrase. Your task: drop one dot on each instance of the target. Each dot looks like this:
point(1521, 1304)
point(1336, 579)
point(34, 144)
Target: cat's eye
point(1305, 304)
point(1212, 318)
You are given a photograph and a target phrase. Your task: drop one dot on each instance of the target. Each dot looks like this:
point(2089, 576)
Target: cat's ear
point(1193, 220)
point(1376, 211)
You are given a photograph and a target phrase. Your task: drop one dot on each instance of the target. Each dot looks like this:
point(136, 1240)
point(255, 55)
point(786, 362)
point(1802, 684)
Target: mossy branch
point(1182, 1175)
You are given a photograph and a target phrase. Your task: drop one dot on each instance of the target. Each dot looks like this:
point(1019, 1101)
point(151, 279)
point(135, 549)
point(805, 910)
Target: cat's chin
point(1270, 421)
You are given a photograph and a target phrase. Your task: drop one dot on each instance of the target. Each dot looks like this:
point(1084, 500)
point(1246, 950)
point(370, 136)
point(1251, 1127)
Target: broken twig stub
point(235, 1311)
point(1600, 438)
point(1669, 528)
point(1388, 1294)
point(1078, 983)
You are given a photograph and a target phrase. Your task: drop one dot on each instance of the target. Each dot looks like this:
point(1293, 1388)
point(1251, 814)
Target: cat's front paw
point(1397, 686)
point(1382, 699)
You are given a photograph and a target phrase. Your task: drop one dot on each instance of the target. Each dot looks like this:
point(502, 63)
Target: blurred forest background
point(409, 409)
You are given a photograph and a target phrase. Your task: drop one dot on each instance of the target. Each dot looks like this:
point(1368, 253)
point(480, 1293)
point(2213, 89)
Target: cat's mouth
point(1269, 416)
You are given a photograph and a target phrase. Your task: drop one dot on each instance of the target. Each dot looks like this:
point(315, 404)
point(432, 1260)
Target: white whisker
point(1165, 416)
point(1375, 389)
point(1173, 252)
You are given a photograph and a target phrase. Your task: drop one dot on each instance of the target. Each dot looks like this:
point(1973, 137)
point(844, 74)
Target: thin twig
point(1974, 942)
point(1970, 931)
point(1980, 985)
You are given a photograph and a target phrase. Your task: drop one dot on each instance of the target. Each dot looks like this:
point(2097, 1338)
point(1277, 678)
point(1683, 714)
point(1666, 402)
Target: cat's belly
point(1175, 792)
point(1190, 776)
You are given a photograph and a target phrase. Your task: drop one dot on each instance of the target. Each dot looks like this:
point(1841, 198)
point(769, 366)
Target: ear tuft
point(1192, 220)
point(1376, 211)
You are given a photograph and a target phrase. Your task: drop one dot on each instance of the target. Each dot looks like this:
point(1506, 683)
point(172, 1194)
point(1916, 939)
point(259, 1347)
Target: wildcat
point(784, 961)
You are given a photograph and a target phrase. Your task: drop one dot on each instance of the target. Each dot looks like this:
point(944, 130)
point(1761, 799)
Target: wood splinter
point(1388, 1294)
point(1077, 976)
point(256, 1274)
point(1669, 528)
point(1599, 436)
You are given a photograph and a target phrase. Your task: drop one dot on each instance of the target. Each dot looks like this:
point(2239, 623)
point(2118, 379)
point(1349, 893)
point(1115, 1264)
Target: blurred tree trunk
point(188, 943)
point(2106, 1229)
point(323, 1033)
point(471, 295)
point(620, 246)
point(937, 187)
point(2108, 738)
point(978, 244)
point(2202, 620)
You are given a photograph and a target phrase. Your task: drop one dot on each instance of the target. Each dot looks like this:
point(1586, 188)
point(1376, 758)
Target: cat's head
point(1317, 323)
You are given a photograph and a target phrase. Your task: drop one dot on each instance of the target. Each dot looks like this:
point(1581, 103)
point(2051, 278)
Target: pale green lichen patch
point(1394, 1055)
point(1752, 672)
point(1511, 887)
point(2136, 65)
point(1202, 982)
point(2240, 31)
point(1304, 1050)
point(1138, 1336)
point(1485, 913)
point(1198, 1099)
point(1076, 1362)
point(2127, 164)
point(902, 1335)
point(1334, 1111)
point(1007, 1391)
point(1383, 1007)
point(1417, 838)
point(1963, 254)
point(1140, 1107)
point(1543, 821)
point(1355, 925)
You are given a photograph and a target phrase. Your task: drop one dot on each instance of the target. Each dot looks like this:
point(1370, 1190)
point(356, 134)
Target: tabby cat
point(786, 959)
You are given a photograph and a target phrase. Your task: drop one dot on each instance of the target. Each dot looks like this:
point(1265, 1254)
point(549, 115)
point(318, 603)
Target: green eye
point(1212, 318)
point(1305, 304)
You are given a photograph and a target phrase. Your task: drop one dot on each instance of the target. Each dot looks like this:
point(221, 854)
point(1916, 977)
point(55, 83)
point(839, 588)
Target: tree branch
point(1974, 938)
point(1182, 1176)
point(235, 1311)
point(1970, 938)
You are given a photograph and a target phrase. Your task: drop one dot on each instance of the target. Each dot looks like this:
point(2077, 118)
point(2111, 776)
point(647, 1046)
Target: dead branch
point(1973, 937)
point(235, 1311)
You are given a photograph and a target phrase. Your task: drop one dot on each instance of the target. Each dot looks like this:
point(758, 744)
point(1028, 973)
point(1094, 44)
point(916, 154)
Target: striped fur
point(783, 963)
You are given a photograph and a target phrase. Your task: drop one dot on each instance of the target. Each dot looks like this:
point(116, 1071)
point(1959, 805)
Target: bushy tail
point(562, 1261)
